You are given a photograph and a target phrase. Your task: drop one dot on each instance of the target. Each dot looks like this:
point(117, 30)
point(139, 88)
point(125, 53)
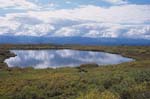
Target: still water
point(62, 58)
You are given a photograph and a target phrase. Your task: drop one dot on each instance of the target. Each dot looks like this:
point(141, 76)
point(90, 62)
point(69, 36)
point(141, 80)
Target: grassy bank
point(123, 81)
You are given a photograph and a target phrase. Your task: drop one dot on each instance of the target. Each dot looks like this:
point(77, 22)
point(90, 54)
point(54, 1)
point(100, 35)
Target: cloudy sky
point(85, 18)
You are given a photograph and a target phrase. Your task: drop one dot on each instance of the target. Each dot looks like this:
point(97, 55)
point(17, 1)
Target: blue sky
point(76, 3)
point(85, 18)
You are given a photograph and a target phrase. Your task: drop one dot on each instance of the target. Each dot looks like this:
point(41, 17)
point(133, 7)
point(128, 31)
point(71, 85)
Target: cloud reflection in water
point(61, 58)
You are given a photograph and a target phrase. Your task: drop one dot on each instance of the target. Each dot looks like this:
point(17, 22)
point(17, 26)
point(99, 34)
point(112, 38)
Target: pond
point(62, 58)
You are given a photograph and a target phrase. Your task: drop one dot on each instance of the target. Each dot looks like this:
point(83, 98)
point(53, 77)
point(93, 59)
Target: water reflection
point(61, 58)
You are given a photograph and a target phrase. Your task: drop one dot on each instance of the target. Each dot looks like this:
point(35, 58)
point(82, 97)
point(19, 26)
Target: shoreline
point(73, 83)
point(5, 52)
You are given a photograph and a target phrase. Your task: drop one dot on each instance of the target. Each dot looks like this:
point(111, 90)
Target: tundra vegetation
point(89, 81)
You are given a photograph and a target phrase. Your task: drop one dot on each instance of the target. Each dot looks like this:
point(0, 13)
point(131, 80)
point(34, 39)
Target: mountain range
point(71, 40)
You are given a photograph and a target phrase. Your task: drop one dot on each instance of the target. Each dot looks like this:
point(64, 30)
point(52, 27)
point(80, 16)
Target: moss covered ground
point(123, 81)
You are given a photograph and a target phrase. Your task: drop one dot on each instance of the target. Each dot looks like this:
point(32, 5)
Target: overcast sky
point(85, 18)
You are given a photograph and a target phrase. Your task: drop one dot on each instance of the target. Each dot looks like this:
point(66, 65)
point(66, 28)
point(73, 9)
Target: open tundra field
point(123, 81)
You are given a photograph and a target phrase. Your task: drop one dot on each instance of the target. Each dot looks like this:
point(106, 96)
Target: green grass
point(122, 81)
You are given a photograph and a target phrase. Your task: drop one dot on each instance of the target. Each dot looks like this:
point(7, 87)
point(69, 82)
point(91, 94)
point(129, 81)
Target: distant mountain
point(71, 40)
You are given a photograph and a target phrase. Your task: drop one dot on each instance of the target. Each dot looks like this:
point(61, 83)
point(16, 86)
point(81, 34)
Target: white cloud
point(35, 30)
point(68, 2)
point(89, 21)
point(6, 26)
point(139, 32)
point(17, 4)
point(66, 32)
point(116, 1)
point(114, 14)
point(97, 30)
